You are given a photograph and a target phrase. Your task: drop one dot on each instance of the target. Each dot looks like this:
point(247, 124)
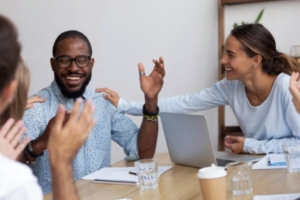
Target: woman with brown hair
point(255, 87)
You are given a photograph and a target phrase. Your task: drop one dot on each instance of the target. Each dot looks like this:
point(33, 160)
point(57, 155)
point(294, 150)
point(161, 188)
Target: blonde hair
point(17, 107)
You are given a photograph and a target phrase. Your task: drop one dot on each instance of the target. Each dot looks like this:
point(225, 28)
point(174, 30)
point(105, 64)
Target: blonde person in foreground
point(256, 88)
point(67, 136)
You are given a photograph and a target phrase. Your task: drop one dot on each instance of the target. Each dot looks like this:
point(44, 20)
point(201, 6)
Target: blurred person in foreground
point(17, 180)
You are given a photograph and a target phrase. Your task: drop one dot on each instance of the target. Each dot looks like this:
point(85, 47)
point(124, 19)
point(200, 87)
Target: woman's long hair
point(17, 107)
point(255, 40)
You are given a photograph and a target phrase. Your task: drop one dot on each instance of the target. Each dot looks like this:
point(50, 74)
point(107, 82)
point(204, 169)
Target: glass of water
point(147, 173)
point(291, 152)
point(241, 178)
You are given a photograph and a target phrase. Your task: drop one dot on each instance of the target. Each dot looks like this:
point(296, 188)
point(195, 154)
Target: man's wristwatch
point(30, 151)
point(150, 116)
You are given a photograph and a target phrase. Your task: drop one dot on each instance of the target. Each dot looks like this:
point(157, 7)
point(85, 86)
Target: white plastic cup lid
point(211, 172)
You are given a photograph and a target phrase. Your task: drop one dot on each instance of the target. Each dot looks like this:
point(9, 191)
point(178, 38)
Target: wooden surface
point(180, 182)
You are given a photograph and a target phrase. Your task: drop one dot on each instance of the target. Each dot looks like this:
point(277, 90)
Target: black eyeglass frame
point(72, 59)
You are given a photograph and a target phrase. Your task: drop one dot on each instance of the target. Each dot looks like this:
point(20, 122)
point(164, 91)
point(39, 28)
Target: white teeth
point(73, 78)
point(228, 69)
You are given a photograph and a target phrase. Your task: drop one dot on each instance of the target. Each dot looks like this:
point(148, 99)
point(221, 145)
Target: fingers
point(29, 105)
point(38, 99)
point(141, 70)
point(86, 120)
point(102, 90)
point(230, 139)
point(75, 111)
point(108, 91)
point(227, 140)
point(295, 90)
point(228, 145)
point(12, 133)
point(68, 112)
point(22, 145)
point(294, 85)
point(59, 118)
point(161, 60)
point(17, 136)
point(5, 128)
point(159, 66)
point(87, 112)
point(162, 67)
point(34, 99)
point(113, 100)
point(234, 143)
point(14, 130)
point(141, 67)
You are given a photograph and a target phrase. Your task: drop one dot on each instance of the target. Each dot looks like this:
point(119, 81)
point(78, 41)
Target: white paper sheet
point(274, 158)
point(118, 175)
point(278, 197)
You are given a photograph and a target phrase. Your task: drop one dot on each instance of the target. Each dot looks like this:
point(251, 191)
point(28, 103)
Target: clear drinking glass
point(147, 173)
point(291, 152)
point(241, 178)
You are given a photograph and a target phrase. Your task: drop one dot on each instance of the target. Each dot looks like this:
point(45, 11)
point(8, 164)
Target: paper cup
point(212, 182)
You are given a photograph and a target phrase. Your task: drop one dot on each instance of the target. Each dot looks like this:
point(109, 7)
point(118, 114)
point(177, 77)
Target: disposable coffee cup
point(212, 182)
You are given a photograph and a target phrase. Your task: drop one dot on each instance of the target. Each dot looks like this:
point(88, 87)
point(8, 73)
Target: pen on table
point(133, 173)
point(269, 161)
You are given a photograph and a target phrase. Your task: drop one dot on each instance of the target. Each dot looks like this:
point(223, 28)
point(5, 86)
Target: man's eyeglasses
point(66, 61)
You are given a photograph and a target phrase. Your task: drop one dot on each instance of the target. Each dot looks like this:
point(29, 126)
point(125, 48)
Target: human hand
point(234, 143)
point(152, 84)
point(110, 95)
point(66, 137)
point(10, 135)
point(34, 99)
point(295, 90)
point(40, 144)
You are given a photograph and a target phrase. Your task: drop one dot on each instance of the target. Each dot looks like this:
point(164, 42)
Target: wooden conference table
point(180, 182)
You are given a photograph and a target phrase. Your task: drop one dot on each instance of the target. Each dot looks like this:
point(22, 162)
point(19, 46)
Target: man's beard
point(74, 94)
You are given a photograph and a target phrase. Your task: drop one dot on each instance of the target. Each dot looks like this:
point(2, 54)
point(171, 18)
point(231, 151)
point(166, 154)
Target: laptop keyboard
point(222, 162)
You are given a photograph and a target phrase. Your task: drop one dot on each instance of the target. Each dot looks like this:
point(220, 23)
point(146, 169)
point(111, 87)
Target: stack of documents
point(271, 161)
point(278, 197)
point(119, 175)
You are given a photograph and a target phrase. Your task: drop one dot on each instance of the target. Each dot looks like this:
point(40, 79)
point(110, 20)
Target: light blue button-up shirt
point(112, 124)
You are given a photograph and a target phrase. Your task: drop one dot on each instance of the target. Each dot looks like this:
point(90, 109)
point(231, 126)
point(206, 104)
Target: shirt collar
point(57, 92)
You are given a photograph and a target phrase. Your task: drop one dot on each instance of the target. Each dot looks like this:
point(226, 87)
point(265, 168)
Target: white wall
point(122, 34)
point(281, 18)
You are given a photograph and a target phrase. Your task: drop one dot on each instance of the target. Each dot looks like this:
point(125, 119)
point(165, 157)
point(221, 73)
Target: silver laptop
point(189, 142)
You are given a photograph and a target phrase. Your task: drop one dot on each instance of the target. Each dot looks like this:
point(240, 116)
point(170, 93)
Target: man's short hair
point(10, 50)
point(71, 34)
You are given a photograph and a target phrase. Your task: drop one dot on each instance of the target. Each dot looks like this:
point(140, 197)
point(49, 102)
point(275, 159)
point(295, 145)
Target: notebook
point(189, 142)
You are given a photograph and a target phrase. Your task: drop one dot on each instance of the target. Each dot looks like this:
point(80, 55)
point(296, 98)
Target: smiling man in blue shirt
point(72, 65)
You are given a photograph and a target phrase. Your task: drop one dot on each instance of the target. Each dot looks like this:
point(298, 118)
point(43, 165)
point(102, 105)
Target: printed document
point(271, 161)
point(119, 175)
point(278, 197)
